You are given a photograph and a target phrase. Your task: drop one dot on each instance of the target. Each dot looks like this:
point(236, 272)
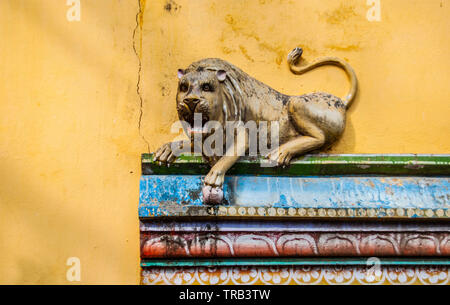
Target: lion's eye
point(183, 87)
point(207, 87)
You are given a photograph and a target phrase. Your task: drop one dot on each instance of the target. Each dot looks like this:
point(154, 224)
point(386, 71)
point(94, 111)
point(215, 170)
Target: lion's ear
point(181, 73)
point(221, 75)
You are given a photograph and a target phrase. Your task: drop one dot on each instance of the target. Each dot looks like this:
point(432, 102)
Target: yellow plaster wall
point(72, 126)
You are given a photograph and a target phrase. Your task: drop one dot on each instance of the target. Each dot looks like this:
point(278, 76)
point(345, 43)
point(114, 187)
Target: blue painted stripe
point(159, 191)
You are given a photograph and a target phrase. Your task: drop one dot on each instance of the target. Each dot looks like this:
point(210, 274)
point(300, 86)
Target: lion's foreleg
point(212, 192)
point(216, 175)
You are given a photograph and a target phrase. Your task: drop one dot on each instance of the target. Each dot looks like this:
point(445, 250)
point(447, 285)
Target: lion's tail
point(294, 57)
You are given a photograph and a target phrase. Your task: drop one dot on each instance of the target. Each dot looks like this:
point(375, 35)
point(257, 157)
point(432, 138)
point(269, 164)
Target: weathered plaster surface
point(70, 137)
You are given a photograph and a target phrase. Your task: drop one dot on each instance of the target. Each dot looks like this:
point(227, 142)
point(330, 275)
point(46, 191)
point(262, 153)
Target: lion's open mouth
point(197, 126)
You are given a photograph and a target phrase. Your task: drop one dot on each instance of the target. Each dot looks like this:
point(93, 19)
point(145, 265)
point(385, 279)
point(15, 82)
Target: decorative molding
point(296, 275)
point(231, 244)
point(315, 186)
point(313, 165)
point(292, 226)
point(176, 210)
point(315, 222)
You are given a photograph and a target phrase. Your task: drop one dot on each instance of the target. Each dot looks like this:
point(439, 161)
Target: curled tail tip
point(293, 60)
point(348, 100)
point(294, 56)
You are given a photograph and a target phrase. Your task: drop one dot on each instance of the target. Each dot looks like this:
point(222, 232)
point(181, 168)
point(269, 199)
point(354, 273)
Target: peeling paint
point(295, 192)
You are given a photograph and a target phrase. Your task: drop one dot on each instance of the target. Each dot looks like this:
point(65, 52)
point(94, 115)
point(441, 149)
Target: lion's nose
point(191, 103)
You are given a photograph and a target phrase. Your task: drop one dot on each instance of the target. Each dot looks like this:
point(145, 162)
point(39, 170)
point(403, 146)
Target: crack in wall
point(139, 21)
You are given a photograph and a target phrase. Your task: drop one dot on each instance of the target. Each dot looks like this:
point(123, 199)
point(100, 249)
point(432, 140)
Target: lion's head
point(210, 89)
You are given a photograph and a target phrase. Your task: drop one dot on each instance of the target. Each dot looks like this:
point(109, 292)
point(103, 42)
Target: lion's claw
point(164, 155)
point(282, 157)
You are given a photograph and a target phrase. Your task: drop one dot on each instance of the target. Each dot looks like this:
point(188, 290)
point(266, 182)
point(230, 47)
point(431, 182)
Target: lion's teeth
point(197, 130)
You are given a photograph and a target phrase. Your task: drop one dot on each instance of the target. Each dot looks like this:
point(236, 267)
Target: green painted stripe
point(314, 165)
point(294, 261)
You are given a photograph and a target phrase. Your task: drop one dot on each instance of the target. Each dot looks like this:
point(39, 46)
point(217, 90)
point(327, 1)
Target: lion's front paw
point(281, 156)
point(212, 190)
point(165, 154)
point(212, 195)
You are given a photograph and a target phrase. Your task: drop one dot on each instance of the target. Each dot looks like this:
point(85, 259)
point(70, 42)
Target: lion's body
point(221, 92)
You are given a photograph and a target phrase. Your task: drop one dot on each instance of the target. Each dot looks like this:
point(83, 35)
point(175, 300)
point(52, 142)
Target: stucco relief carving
point(298, 244)
point(295, 275)
point(214, 90)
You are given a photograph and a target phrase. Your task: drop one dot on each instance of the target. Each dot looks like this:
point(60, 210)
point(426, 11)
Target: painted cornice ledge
point(314, 186)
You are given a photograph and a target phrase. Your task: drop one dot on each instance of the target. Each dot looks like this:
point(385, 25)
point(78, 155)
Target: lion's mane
point(232, 87)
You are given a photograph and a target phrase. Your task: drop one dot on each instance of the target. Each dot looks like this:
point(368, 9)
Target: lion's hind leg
point(311, 136)
point(296, 147)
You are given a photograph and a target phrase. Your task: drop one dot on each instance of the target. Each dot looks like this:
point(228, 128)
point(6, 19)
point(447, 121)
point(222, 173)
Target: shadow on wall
point(51, 231)
point(46, 218)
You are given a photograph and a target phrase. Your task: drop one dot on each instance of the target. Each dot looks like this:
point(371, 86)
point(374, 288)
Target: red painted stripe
point(245, 244)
